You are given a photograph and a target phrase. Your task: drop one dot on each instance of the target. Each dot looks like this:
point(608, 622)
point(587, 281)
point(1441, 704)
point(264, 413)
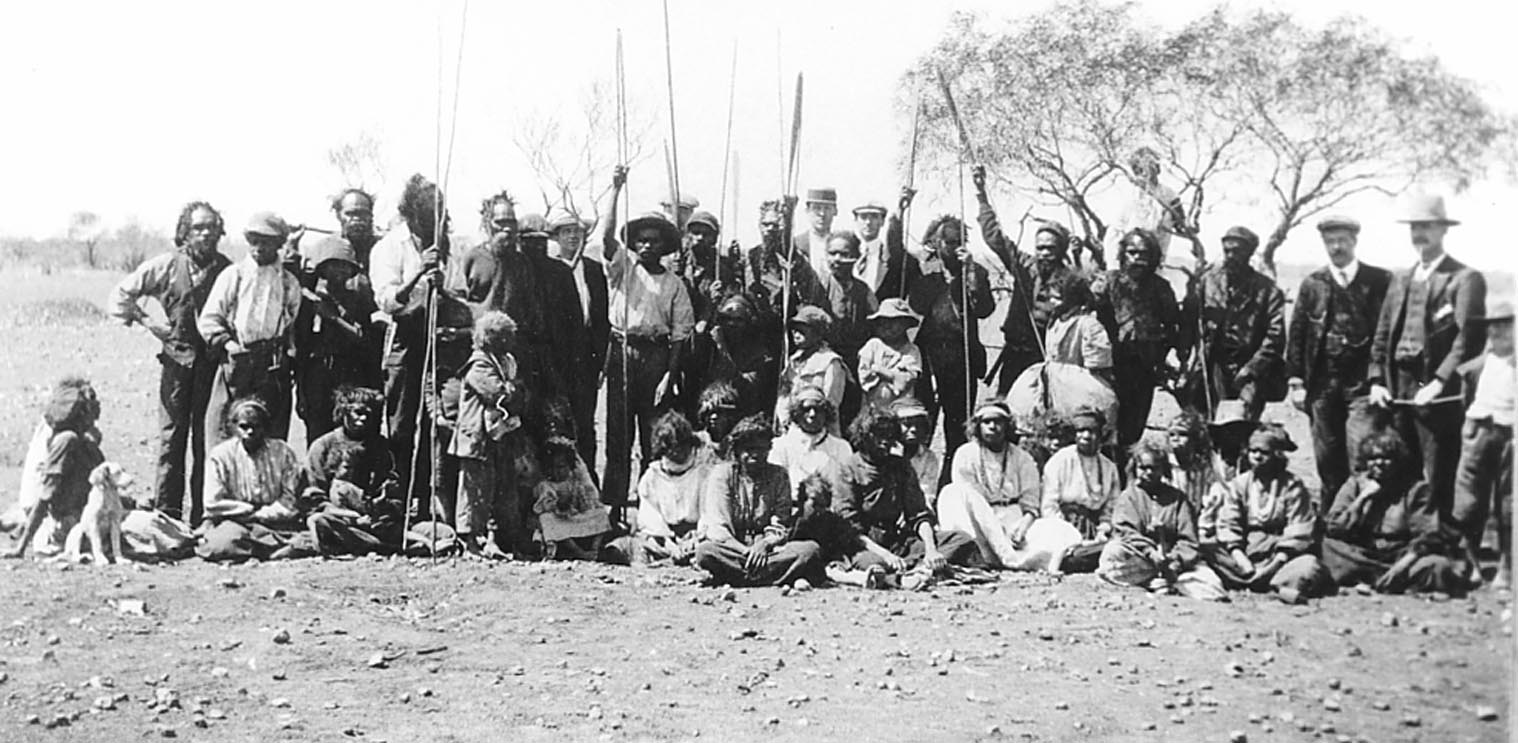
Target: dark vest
point(182, 303)
point(1351, 325)
point(1411, 344)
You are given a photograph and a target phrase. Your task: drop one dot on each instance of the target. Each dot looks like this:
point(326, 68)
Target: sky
point(131, 109)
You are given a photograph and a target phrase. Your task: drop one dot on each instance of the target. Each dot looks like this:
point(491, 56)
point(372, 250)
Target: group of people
point(784, 399)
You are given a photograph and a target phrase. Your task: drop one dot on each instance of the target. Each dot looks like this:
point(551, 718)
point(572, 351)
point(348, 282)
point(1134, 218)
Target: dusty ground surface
point(403, 650)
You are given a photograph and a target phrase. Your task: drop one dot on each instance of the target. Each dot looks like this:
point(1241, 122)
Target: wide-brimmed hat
point(1230, 414)
point(565, 220)
point(668, 232)
point(872, 206)
point(822, 196)
point(331, 248)
point(706, 218)
point(532, 225)
point(267, 224)
point(1339, 222)
point(809, 314)
point(895, 308)
point(1425, 208)
point(1242, 234)
point(1497, 310)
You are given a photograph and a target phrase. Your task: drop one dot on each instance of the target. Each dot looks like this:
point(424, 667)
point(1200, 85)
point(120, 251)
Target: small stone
point(1486, 714)
point(1389, 619)
point(377, 661)
point(1331, 704)
point(277, 593)
point(1062, 706)
point(216, 714)
point(1149, 726)
point(993, 731)
point(1177, 719)
point(1380, 706)
point(406, 698)
point(424, 691)
point(1326, 728)
point(279, 702)
point(1045, 635)
point(168, 733)
point(281, 637)
point(772, 721)
point(595, 713)
point(279, 675)
point(1412, 721)
point(1334, 684)
point(220, 672)
point(54, 639)
point(1238, 736)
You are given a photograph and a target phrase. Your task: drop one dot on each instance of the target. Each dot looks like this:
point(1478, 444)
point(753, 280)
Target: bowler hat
point(668, 233)
point(706, 218)
point(895, 308)
point(1426, 208)
point(533, 225)
point(871, 207)
point(808, 314)
point(822, 196)
point(1339, 222)
point(268, 224)
point(1244, 235)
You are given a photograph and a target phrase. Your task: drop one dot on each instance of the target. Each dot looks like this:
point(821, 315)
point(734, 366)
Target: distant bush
point(122, 249)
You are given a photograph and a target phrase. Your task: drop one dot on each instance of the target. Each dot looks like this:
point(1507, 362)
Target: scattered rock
point(277, 593)
point(378, 660)
point(1486, 714)
point(281, 637)
point(279, 703)
point(220, 672)
point(1331, 704)
point(1412, 721)
point(1389, 619)
point(1238, 736)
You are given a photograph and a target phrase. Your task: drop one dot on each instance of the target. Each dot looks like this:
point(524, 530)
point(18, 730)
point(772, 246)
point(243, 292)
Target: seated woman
point(1154, 544)
point(252, 482)
point(568, 504)
point(993, 493)
point(669, 497)
point(807, 448)
point(746, 516)
point(1383, 529)
point(352, 475)
point(882, 500)
point(1080, 487)
point(72, 452)
point(1266, 526)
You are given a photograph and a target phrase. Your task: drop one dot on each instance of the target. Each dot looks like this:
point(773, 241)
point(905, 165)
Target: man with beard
point(249, 318)
point(708, 284)
point(768, 270)
point(1139, 310)
point(1036, 280)
point(1234, 321)
point(821, 207)
point(548, 286)
point(593, 325)
point(883, 257)
point(407, 267)
point(180, 281)
point(940, 298)
point(1328, 349)
point(1429, 326)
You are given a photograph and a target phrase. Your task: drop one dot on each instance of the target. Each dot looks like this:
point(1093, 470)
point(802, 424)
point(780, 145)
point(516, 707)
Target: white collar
point(1349, 272)
point(1430, 264)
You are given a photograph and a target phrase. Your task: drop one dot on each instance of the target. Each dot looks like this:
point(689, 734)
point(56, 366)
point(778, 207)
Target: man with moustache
point(593, 325)
point(882, 255)
point(1234, 319)
point(1138, 308)
point(550, 297)
point(821, 207)
point(180, 281)
point(1429, 326)
point(1328, 348)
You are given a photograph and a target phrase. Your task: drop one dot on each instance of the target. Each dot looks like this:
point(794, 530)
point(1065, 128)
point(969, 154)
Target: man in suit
point(1328, 349)
point(1235, 318)
point(821, 207)
point(1429, 326)
point(884, 263)
point(595, 331)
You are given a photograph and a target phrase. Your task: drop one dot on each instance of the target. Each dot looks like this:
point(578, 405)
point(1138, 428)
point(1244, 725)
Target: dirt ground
point(410, 650)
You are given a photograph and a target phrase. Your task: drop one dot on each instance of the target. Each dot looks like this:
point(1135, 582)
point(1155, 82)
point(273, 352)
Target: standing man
point(821, 207)
point(770, 271)
point(594, 327)
point(1036, 280)
point(1138, 308)
point(549, 286)
point(1429, 326)
point(248, 319)
point(1328, 348)
point(181, 281)
point(1234, 320)
point(883, 257)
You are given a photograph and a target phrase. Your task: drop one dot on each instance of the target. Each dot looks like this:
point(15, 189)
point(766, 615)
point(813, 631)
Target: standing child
point(485, 440)
point(1484, 479)
point(568, 506)
point(850, 300)
point(812, 364)
point(73, 451)
point(889, 363)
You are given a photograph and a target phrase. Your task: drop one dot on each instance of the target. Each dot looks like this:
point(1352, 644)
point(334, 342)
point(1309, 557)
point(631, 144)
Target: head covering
point(565, 220)
point(1086, 419)
point(808, 395)
point(1059, 231)
point(533, 226)
point(331, 248)
point(871, 206)
point(1272, 437)
point(825, 195)
point(1425, 208)
point(895, 307)
point(267, 224)
point(249, 404)
point(706, 218)
point(1497, 310)
point(993, 409)
point(1339, 222)
point(738, 307)
point(71, 400)
point(811, 315)
point(1244, 235)
point(561, 443)
point(667, 230)
point(1230, 413)
point(687, 201)
point(908, 407)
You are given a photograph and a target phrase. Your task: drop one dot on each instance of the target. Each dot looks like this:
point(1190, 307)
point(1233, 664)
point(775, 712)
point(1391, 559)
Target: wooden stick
point(727, 146)
point(674, 150)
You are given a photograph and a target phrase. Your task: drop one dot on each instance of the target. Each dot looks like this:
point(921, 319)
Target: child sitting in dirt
point(669, 495)
point(889, 363)
point(73, 451)
point(1154, 543)
point(568, 506)
point(488, 500)
point(834, 535)
point(352, 477)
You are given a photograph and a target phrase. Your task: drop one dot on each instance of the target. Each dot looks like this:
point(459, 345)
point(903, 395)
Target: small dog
point(101, 520)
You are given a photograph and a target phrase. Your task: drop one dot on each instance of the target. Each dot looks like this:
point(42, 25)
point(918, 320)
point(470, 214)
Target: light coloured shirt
point(251, 303)
point(393, 262)
point(1346, 275)
point(1089, 482)
point(1008, 477)
point(817, 252)
point(803, 455)
point(871, 268)
point(1494, 391)
point(153, 278)
point(667, 498)
point(928, 464)
point(1081, 340)
point(656, 305)
point(1281, 508)
point(1424, 268)
point(886, 373)
point(820, 368)
point(269, 478)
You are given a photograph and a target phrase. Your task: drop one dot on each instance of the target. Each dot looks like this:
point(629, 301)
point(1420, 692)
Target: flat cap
point(706, 218)
point(1244, 235)
point(533, 225)
point(808, 314)
point(871, 206)
point(822, 196)
point(687, 201)
point(268, 224)
point(1339, 222)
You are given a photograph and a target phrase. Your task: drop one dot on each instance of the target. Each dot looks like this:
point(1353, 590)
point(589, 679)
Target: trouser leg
point(1135, 398)
point(403, 397)
point(1485, 462)
point(1438, 433)
point(949, 381)
point(1126, 564)
point(583, 405)
point(619, 435)
point(476, 494)
point(175, 394)
point(1329, 412)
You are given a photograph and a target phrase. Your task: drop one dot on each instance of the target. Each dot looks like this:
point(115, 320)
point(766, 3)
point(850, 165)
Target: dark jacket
point(597, 334)
point(1243, 326)
point(1028, 314)
point(1456, 295)
point(1311, 322)
point(898, 260)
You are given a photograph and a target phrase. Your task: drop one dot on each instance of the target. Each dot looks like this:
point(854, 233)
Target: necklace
point(1001, 471)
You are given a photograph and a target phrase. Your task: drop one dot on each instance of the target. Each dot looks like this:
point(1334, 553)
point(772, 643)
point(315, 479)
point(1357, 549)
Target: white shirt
point(655, 305)
point(803, 455)
point(871, 268)
point(1424, 268)
point(1346, 275)
point(817, 252)
point(1495, 391)
point(251, 303)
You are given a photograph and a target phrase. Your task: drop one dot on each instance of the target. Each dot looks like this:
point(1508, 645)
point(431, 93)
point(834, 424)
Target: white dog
point(102, 516)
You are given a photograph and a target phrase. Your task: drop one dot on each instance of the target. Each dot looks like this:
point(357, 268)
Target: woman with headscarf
point(1154, 544)
point(993, 492)
point(1266, 524)
point(73, 451)
point(1080, 486)
point(252, 484)
point(1383, 530)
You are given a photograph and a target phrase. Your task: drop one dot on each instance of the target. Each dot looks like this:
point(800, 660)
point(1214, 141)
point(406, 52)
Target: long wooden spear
point(674, 150)
point(787, 218)
point(965, 269)
point(906, 229)
point(727, 146)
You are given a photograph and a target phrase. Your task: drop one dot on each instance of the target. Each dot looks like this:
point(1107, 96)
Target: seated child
point(568, 505)
point(351, 477)
point(1154, 542)
point(73, 451)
